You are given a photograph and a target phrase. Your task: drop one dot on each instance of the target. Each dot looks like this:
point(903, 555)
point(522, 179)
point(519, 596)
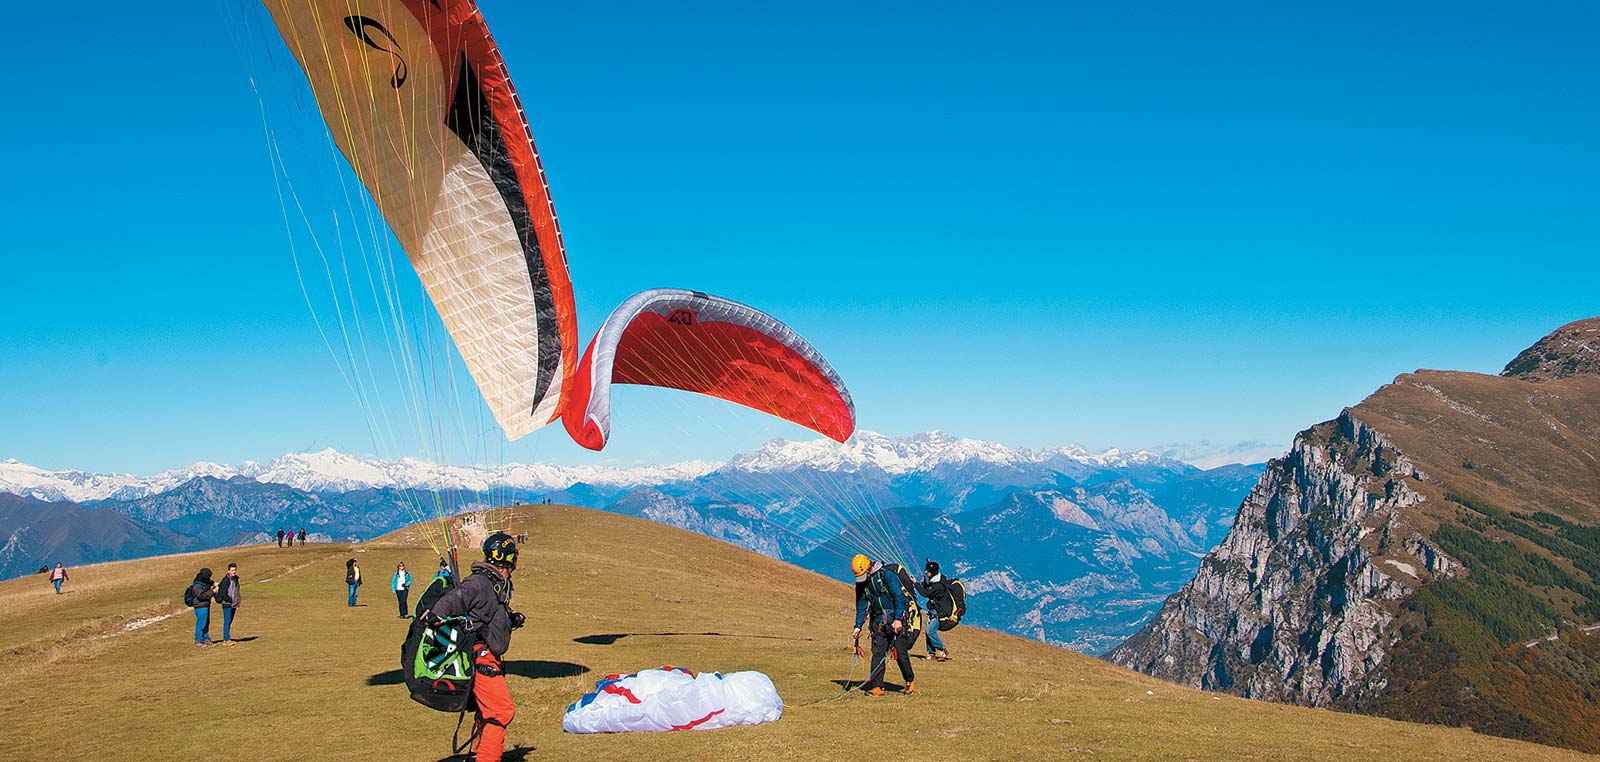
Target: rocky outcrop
point(1300, 602)
point(1571, 350)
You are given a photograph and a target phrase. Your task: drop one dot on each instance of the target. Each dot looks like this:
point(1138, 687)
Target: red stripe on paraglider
point(457, 28)
point(623, 692)
point(692, 725)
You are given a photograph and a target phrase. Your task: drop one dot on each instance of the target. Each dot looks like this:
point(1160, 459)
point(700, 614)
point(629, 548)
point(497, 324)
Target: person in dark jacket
point(228, 596)
point(302, 537)
point(202, 589)
point(280, 538)
point(484, 598)
point(352, 578)
point(885, 606)
point(941, 605)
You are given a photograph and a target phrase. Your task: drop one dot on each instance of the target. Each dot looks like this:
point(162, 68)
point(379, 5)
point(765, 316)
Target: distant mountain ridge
point(333, 471)
point(1129, 526)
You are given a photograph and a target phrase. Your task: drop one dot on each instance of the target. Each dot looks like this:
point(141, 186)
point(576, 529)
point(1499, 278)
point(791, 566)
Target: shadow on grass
point(612, 637)
point(856, 684)
point(533, 669)
point(511, 755)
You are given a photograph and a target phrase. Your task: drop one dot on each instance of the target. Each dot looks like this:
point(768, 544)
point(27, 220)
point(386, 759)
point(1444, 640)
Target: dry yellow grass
point(319, 680)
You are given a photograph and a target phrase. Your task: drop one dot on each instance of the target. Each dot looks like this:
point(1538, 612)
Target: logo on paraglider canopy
point(681, 317)
point(362, 27)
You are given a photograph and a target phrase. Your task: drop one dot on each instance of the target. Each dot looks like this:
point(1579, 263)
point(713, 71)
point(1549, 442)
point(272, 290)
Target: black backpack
point(958, 608)
point(189, 597)
point(436, 660)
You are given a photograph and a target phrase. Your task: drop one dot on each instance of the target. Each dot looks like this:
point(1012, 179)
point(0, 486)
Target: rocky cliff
point(1297, 604)
point(1430, 554)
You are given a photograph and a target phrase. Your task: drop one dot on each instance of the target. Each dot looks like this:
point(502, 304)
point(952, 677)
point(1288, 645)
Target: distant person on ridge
point(302, 537)
point(881, 607)
point(228, 596)
point(484, 598)
point(401, 582)
point(352, 578)
point(58, 575)
point(280, 538)
point(941, 605)
point(198, 595)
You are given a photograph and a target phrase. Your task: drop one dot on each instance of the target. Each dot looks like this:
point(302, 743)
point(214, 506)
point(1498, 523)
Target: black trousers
point(401, 595)
point(882, 642)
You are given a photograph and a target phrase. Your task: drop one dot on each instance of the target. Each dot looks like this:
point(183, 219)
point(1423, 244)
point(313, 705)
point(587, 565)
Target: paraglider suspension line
point(461, 748)
point(855, 656)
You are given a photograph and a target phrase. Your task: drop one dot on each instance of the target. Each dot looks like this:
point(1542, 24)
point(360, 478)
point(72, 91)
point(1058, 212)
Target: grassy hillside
point(82, 677)
point(1513, 494)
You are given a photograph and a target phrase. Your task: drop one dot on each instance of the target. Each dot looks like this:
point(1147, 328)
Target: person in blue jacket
point(401, 584)
point(883, 612)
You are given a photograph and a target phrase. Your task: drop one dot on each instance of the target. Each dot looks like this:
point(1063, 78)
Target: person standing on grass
point(352, 578)
point(280, 538)
point(401, 582)
point(199, 595)
point(484, 598)
point(941, 606)
point(228, 596)
point(883, 613)
point(58, 575)
point(302, 537)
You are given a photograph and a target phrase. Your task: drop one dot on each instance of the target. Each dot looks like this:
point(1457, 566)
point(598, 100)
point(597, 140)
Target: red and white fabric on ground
point(673, 698)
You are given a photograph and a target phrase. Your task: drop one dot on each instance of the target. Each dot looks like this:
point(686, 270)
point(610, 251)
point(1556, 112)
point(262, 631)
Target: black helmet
point(932, 567)
point(501, 550)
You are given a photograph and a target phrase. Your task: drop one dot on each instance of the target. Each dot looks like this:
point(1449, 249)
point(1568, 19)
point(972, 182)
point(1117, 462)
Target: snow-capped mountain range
point(333, 471)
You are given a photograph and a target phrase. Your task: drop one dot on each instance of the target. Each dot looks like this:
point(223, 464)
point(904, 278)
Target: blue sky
point(1035, 224)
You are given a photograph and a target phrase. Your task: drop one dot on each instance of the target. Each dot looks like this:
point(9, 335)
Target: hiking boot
point(911, 687)
point(875, 692)
point(941, 655)
point(229, 642)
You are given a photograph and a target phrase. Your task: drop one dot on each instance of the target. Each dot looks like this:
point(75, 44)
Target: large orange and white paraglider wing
point(417, 98)
point(708, 345)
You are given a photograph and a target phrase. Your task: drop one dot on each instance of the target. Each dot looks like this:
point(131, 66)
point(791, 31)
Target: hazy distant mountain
point(43, 534)
point(1063, 544)
point(332, 471)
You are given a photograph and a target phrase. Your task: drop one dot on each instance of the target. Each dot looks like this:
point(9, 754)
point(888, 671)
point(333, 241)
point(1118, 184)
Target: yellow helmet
point(860, 564)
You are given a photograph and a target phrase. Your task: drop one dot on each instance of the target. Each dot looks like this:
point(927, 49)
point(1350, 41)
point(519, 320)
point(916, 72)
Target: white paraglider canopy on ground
point(673, 698)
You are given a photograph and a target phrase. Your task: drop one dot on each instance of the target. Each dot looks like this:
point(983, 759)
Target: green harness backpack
point(436, 659)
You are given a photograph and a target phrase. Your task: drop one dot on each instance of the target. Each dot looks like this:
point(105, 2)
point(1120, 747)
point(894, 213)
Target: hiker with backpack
point(401, 583)
point(198, 596)
point(886, 607)
point(228, 596)
point(352, 578)
point(302, 537)
point(58, 575)
point(483, 600)
point(280, 538)
point(947, 603)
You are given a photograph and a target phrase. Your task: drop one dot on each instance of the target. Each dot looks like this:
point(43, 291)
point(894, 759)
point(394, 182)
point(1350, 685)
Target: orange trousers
point(495, 710)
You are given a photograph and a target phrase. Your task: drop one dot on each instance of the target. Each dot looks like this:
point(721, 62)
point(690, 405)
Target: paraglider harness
point(958, 605)
point(878, 588)
point(436, 657)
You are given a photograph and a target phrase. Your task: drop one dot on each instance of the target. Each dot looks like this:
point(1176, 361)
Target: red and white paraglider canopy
point(417, 98)
point(708, 345)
